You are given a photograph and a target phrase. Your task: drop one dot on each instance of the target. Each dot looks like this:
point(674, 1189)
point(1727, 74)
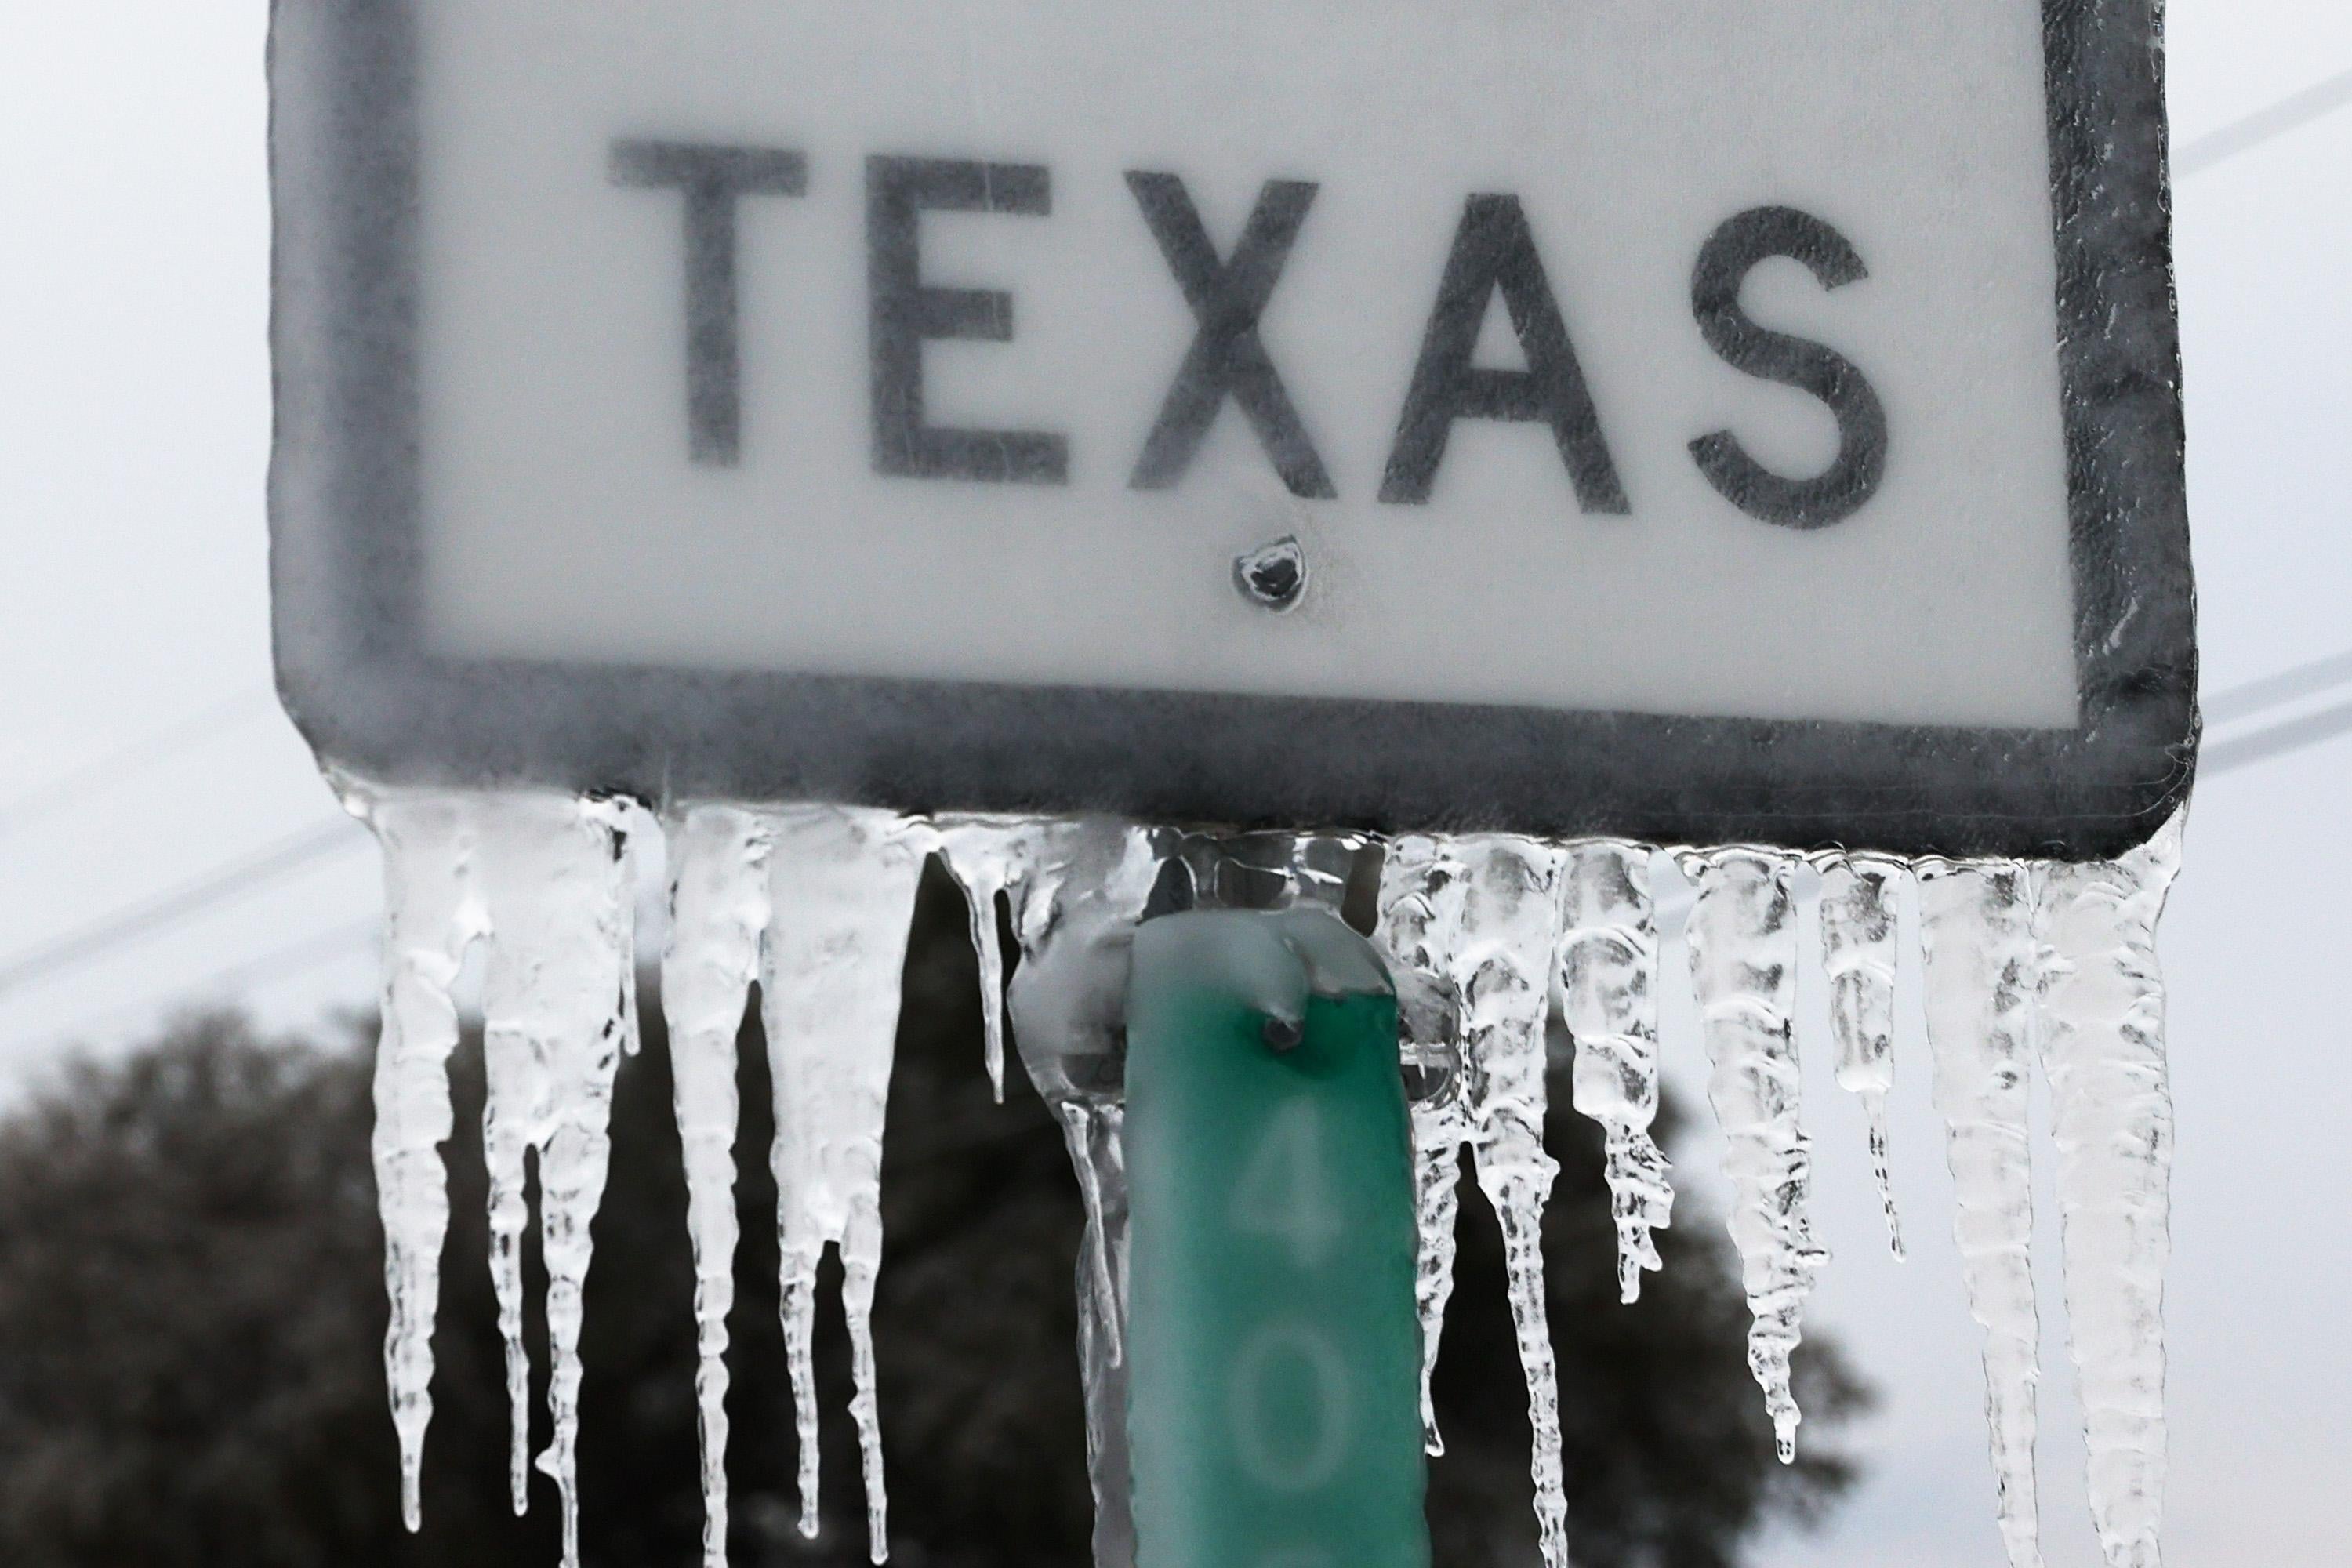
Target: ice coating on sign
point(1981, 966)
point(1858, 934)
point(1608, 985)
point(432, 916)
point(841, 882)
point(719, 914)
point(1743, 959)
point(556, 1009)
point(2101, 1046)
point(1492, 919)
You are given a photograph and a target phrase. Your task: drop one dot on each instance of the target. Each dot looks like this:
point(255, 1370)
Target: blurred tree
point(190, 1315)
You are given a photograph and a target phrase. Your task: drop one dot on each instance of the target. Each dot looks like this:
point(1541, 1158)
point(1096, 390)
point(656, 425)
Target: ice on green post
point(1274, 1350)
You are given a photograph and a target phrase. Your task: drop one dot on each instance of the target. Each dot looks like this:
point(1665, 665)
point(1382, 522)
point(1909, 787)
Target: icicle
point(988, 857)
point(1511, 916)
point(1092, 1132)
point(842, 887)
point(1858, 936)
point(1608, 982)
point(1076, 898)
point(1419, 913)
point(1094, 1135)
point(513, 1110)
point(718, 912)
point(1318, 868)
point(2102, 1045)
point(1271, 870)
point(1980, 963)
point(560, 903)
point(432, 916)
point(1439, 1131)
point(1743, 952)
point(1492, 923)
point(1075, 913)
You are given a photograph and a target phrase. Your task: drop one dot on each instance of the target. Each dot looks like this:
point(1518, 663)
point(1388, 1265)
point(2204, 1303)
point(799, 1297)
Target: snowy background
point(164, 840)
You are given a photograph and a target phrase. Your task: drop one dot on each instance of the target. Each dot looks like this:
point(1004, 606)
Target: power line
point(2260, 696)
point(143, 920)
point(134, 756)
point(278, 963)
point(2286, 686)
point(297, 957)
point(2243, 750)
point(2264, 125)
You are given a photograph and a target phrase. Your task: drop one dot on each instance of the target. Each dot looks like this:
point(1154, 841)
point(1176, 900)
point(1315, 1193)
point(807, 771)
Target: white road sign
point(1684, 418)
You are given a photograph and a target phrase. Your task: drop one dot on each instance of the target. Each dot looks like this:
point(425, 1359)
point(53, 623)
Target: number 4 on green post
point(1274, 1406)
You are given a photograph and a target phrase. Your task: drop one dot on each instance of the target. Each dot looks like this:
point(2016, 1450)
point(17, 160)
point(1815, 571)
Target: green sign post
point(1274, 1352)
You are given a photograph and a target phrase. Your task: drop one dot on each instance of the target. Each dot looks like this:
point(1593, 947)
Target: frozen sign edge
point(344, 501)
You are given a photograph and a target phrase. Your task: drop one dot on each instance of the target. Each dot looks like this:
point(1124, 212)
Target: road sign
point(1273, 1350)
point(1700, 421)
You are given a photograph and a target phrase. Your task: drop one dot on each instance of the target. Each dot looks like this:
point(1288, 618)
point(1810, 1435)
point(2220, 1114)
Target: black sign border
point(346, 562)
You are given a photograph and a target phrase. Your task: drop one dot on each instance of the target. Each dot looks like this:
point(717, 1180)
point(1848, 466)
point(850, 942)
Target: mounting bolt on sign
point(1274, 1353)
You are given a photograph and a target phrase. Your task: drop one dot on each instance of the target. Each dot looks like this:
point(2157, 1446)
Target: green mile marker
point(1274, 1353)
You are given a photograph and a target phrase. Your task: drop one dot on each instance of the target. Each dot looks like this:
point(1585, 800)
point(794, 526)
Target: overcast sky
point(133, 435)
